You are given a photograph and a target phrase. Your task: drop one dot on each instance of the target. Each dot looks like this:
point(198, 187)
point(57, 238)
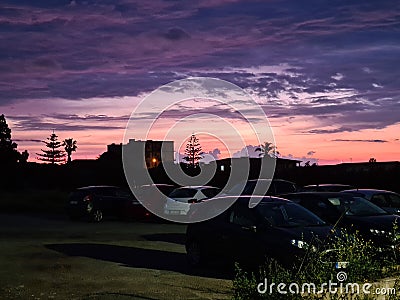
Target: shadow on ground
point(139, 258)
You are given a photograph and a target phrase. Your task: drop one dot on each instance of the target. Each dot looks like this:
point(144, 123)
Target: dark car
point(326, 187)
point(258, 187)
point(274, 227)
point(96, 202)
point(353, 213)
point(389, 201)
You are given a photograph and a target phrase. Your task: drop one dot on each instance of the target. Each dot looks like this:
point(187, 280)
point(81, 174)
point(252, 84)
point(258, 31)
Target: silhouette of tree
point(372, 160)
point(8, 149)
point(53, 154)
point(193, 152)
point(23, 157)
point(267, 149)
point(69, 146)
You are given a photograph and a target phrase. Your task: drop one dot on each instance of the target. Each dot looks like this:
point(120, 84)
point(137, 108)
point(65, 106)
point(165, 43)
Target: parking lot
point(51, 257)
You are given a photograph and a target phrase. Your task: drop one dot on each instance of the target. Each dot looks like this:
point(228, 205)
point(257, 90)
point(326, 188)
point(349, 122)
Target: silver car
point(180, 199)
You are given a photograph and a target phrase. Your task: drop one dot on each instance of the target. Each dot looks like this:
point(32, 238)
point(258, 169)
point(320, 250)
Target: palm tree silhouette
point(70, 146)
point(267, 149)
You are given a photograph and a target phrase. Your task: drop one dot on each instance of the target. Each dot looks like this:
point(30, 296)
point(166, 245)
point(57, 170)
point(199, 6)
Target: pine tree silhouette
point(8, 149)
point(53, 154)
point(193, 152)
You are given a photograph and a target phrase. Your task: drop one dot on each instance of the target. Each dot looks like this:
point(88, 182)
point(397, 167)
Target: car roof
point(244, 200)
point(369, 191)
point(197, 187)
point(319, 194)
point(156, 185)
point(327, 184)
point(271, 180)
point(97, 187)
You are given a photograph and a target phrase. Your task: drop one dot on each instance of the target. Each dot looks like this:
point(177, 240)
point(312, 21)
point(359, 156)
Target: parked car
point(277, 186)
point(274, 227)
point(389, 201)
point(353, 213)
point(164, 188)
point(326, 187)
point(96, 202)
point(180, 199)
point(154, 196)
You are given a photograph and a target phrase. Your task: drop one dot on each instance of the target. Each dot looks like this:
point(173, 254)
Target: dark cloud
point(335, 130)
point(58, 122)
point(27, 140)
point(176, 34)
point(339, 55)
point(363, 141)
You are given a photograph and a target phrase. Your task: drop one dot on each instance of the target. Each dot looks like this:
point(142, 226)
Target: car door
point(107, 200)
point(124, 202)
point(242, 238)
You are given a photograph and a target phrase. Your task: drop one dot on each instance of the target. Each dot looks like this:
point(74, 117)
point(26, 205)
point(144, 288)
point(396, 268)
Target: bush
point(364, 264)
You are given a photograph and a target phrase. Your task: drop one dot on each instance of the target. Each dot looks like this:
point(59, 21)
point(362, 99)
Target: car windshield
point(183, 193)
point(356, 206)
point(288, 215)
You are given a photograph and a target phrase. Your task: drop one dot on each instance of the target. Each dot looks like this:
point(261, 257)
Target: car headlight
point(303, 245)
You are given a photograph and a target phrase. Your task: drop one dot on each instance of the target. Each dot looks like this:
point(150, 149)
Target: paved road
point(51, 257)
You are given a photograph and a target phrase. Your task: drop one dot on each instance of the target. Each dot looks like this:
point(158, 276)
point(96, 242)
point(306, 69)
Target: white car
point(180, 199)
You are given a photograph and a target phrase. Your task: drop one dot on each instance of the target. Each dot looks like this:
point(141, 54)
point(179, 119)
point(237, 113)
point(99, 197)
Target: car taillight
point(88, 198)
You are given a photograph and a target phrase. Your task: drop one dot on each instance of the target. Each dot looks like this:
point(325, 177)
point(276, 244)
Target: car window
point(210, 192)
point(123, 193)
point(288, 215)
point(335, 201)
point(242, 216)
point(394, 200)
point(380, 200)
point(283, 187)
point(360, 207)
point(108, 192)
point(183, 193)
point(165, 189)
point(79, 194)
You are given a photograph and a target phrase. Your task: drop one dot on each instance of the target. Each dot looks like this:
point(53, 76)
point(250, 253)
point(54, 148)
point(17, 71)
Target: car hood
point(307, 233)
point(365, 223)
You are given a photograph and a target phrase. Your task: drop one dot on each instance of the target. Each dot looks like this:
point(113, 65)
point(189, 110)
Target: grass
point(43, 258)
point(33, 200)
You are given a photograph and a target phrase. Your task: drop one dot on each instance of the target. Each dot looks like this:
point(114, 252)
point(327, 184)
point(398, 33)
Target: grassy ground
point(33, 200)
point(53, 258)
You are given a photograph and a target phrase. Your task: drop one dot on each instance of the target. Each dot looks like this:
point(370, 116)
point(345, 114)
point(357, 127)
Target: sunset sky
point(326, 73)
